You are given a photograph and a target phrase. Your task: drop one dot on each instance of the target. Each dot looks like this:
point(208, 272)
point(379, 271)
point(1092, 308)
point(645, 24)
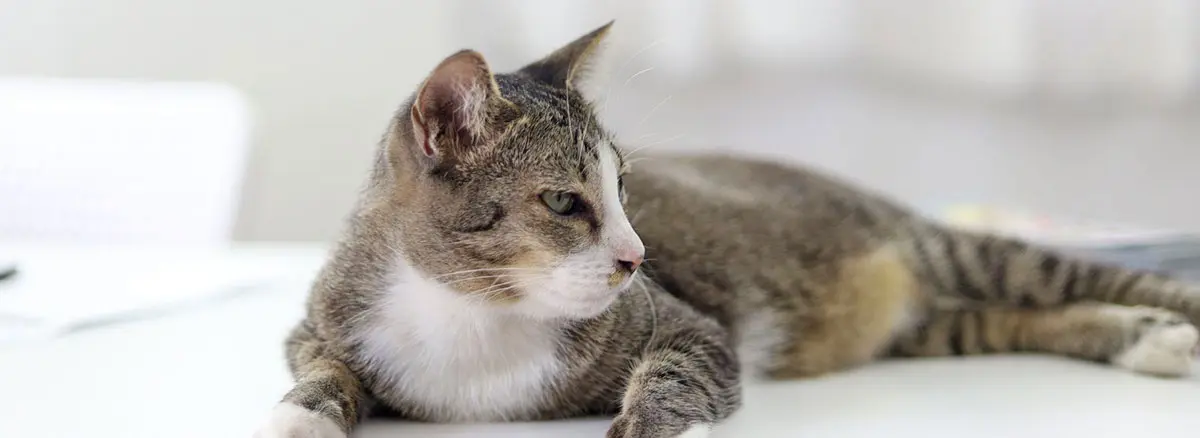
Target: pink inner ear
point(421, 132)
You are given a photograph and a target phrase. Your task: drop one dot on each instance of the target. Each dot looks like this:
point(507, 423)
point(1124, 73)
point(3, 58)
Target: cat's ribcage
point(813, 275)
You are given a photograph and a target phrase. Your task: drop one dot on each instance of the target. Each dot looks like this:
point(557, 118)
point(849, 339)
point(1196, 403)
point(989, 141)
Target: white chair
point(120, 162)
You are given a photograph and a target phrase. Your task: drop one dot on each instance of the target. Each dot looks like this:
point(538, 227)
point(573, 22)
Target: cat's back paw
point(1165, 345)
point(291, 421)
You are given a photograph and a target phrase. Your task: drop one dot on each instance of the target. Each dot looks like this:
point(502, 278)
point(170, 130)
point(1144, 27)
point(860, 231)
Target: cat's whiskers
point(587, 125)
point(653, 315)
point(571, 129)
point(637, 214)
point(630, 153)
point(494, 278)
point(654, 109)
point(635, 160)
point(608, 92)
point(646, 136)
point(487, 294)
point(468, 271)
point(635, 75)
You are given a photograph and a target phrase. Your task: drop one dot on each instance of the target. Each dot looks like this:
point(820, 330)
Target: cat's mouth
point(619, 280)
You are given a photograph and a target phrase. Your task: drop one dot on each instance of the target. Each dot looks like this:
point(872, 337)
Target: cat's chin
point(583, 306)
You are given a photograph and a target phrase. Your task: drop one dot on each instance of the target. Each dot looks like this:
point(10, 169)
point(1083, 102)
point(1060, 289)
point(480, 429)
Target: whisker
point(468, 271)
point(635, 160)
point(639, 73)
point(629, 154)
point(637, 214)
point(481, 277)
point(656, 143)
point(571, 129)
point(646, 136)
point(487, 294)
point(653, 315)
point(608, 93)
point(655, 108)
point(587, 125)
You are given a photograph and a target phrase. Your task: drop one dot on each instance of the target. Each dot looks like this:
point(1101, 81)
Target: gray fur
point(836, 275)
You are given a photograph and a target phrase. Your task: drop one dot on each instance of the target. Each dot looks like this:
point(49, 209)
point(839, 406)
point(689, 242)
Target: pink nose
point(630, 261)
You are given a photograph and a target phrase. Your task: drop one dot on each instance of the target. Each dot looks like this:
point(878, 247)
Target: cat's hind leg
point(1142, 339)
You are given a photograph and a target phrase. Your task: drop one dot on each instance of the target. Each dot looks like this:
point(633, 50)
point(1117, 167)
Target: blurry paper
point(1054, 230)
point(60, 291)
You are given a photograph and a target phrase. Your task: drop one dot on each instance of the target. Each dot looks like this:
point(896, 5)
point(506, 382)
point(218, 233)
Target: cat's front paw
point(652, 426)
point(290, 421)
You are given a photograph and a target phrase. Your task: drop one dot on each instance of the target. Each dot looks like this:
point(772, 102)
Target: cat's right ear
point(459, 110)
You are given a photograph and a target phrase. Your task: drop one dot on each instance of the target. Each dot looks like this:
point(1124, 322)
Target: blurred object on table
point(98, 161)
point(1150, 249)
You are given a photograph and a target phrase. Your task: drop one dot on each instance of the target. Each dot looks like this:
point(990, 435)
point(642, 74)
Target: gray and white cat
point(490, 273)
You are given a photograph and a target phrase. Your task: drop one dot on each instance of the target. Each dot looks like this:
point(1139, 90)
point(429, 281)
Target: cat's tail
point(987, 268)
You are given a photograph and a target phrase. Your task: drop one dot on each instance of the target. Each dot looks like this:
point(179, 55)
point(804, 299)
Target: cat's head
point(507, 188)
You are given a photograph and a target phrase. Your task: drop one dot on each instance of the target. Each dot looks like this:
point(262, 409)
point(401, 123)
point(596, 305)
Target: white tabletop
point(215, 371)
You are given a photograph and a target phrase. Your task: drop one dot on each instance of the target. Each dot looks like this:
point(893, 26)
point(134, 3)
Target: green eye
point(559, 202)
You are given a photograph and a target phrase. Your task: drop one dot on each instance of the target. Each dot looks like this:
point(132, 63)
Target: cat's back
point(717, 193)
point(752, 242)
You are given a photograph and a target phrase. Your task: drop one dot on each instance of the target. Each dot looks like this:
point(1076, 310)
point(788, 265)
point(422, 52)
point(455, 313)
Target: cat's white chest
point(460, 362)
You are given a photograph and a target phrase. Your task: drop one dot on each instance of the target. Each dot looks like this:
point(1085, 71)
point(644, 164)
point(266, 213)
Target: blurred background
point(255, 120)
point(178, 127)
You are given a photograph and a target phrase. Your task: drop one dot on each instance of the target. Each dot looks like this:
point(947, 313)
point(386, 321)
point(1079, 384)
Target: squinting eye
point(562, 203)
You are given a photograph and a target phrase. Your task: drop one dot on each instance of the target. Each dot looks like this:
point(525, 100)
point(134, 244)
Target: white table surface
point(216, 371)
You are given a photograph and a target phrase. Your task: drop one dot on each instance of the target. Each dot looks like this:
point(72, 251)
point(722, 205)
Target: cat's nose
point(630, 261)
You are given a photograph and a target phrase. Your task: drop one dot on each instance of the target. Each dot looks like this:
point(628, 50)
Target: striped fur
point(788, 270)
point(853, 276)
point(990, 269)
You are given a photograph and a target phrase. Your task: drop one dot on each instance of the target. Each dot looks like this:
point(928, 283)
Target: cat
point(490, 272)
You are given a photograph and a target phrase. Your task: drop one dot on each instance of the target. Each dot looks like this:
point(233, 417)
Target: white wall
point(323, 78)
point(1134, 166)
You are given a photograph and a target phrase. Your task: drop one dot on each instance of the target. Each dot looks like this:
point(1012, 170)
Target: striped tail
point(992, 269)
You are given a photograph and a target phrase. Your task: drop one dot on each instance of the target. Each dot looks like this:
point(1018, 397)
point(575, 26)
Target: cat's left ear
point(567, 65)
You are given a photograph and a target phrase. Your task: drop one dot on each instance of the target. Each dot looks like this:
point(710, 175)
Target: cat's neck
point(461, 360)
point(430, 312)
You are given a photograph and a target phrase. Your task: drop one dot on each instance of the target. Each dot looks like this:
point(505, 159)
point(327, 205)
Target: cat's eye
point(563, 203)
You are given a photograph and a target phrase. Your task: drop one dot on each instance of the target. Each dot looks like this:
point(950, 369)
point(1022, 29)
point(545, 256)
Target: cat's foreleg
point(327, 399)
point(686, 382)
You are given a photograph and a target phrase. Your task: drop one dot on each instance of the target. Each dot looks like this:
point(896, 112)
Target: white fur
point(290, 421)
point(759, 337)
point(697, 431)
point(1164, 350)
point(578, 286)
point(618, 233)
point(467, 361)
